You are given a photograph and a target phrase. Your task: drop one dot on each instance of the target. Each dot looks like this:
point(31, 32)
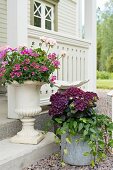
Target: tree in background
point(109, 64)
point(104, 36)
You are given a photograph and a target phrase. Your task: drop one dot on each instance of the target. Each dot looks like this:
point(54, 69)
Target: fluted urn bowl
point(27, 106)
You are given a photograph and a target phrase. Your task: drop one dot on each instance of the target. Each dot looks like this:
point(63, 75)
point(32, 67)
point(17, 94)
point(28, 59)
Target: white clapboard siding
point(3, 22)
point(74, 66)
point(67, 16)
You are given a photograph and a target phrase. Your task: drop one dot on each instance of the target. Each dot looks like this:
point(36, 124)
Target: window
point(43, 15)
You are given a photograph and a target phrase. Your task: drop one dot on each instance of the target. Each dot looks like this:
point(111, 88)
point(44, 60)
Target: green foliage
point(110, 63)
point(75, 114)
point(104, 35)
point(103, 75)
point(96, 130)
point(34, 64)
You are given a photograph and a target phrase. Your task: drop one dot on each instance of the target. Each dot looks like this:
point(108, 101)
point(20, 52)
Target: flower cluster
point(21, 64)
point(72, 100)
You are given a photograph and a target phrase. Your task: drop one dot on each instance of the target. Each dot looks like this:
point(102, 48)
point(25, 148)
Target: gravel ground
point(53, 162)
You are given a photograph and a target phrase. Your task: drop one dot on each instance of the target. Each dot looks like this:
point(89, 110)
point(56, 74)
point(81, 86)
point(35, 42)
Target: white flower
point(50, 41)
point(43, 39)
point(63, 53)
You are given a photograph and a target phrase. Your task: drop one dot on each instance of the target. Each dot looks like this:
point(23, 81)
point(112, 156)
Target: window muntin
point(43, 15)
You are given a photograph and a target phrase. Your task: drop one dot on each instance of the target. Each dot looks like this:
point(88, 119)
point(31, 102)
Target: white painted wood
point(17, 22)
point(16, 36)
point(72, 69)
point(90, 34)
point(3, 22)
point(67, 16)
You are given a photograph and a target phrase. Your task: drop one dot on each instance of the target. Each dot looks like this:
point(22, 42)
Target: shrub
point(109, 64)
point(103, 75)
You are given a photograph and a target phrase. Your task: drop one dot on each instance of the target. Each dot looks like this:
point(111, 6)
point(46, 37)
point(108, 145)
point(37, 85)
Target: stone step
point(18, 156)
point(9, 127)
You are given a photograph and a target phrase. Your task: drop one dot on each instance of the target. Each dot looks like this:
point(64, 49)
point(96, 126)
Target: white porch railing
point(74, 66)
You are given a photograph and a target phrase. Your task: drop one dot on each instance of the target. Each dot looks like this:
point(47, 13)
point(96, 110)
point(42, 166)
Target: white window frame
point(43, 6)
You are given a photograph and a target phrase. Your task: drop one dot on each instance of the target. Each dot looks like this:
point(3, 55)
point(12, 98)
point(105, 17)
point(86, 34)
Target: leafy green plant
point(73, 111)
point(35, 64)
point(103, 75)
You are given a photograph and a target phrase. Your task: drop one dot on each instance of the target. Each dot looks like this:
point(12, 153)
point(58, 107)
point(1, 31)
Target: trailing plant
point(35, 64)
point(73, 111)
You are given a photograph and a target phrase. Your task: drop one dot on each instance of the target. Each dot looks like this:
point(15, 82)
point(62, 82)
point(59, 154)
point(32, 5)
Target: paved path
point(104, 103)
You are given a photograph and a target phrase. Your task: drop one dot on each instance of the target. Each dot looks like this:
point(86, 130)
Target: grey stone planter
point(75, 151)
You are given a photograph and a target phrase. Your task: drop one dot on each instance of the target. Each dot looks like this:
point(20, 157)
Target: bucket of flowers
point(27, 69)
point(85, 135)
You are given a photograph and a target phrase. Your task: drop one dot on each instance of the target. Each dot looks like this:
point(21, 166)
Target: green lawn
point(105, 84)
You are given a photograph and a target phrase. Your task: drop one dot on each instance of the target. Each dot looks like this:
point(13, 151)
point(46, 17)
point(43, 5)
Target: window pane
point(48, 25)
point(37, 22)
point(37, 9)
point(48, 13)
point(38, 14)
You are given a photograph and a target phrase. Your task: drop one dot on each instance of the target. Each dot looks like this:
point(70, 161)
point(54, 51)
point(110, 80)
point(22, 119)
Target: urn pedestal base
point(28, 135)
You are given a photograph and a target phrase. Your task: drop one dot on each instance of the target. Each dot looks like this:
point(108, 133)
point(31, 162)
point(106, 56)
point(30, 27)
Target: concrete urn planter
point(75, 151)
point(28, 106)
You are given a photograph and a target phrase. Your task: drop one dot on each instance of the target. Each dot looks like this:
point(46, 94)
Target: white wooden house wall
point(81, 54)
point(3, 22)
point(68, 20)
point(67, 17)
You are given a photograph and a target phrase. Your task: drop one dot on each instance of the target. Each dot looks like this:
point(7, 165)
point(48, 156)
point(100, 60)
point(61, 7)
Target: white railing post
point(90, 34)
point(16, 36)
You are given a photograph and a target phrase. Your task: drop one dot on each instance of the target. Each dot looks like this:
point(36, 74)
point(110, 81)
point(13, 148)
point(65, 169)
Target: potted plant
point(28, 69)
point(85, 135)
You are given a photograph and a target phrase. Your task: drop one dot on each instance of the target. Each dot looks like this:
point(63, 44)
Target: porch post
point(90, 34)
point(16, 36)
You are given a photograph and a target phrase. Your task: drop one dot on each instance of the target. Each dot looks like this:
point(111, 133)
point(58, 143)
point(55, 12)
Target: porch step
point(9, 127)
point(18, 156)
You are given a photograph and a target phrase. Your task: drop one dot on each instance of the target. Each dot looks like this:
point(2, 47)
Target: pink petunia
point(52, 56)
point(52, 79)
point(27, 61)
point(4, 63)
point(56, 63)
point(33, 73)
point(16, 67)
point(25, 68)
point(43, 68)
